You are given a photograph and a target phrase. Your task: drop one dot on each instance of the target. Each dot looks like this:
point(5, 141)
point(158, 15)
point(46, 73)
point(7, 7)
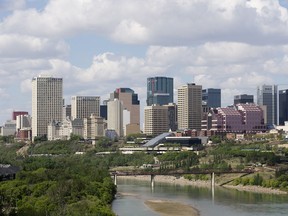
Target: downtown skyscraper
point(47, 103)
point(267, 96)
point(190, 106)
point(159, 90)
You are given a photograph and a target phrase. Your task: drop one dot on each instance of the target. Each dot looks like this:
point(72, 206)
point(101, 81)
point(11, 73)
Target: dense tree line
point(72, 185)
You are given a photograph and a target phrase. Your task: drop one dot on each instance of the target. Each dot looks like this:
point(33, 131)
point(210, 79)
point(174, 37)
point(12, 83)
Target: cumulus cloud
point(233, 45)
point(157, 22)
point(18, 46)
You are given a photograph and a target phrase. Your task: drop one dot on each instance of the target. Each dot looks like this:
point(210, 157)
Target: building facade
point(47, 103)
point(159, 90)
point(242, 118)
point(211, 97)
point(267, 95)
point(190, 106)
point(172, 116)
point(283, 106)
point(156, 120)
point(131, 109)
point(94, 127)
point(115, 116)
point(243, 98)
point(84, 106)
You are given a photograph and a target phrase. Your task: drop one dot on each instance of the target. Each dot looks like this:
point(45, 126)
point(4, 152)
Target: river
point(226, 202)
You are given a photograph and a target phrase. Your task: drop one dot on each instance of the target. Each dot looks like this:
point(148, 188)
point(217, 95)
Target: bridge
point(153, 173)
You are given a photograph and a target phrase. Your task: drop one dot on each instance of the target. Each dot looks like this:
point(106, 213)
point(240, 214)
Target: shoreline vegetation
point(168, 207)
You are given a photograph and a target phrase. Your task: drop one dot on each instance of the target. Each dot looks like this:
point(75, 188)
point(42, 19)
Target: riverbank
point(200, 183)
point(169, 208)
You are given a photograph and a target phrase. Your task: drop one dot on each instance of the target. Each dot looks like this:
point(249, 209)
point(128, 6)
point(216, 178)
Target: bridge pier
point(115, 179)
point(212, 179)
point(152, 180)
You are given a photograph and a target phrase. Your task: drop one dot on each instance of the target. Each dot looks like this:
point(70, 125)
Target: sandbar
point(170, 208)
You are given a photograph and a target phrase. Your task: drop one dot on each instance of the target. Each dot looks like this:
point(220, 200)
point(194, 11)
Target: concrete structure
point(283, 106)
point(78, 127)
point(47, 103)
point(243, 98)
point(23, 121)
point(60, 130)
point(156, 120)
point(9, 128)
point(83, 106)
point(211, 97)
point(172, 116)
point(23, 127)
point(131, 108)
point(190, 106)
point(243, 118)
point(268, 95)
point(115, 116)
point(66, 112)
point(94, 127)
point(159, 90)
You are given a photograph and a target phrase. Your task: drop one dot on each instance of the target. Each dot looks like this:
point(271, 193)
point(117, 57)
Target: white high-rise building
point(83, 106)
point(47, 103)
point(190, 106)
point(115, 116)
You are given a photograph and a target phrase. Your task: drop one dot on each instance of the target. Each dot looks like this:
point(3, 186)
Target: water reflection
point(225, 202)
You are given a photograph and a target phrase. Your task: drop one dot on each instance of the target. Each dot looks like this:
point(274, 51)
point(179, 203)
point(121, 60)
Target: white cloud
point(157, 22)
point(18, 46)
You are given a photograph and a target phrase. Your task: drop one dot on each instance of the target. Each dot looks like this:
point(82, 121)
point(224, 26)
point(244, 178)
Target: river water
point(225, 202)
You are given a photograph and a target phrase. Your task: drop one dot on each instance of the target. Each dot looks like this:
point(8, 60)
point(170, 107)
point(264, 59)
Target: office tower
point(267, 96)
point(211, 97)
point(243, 99)
point(47, 95)
point(172, 116)
point(94, 127)
point(66, 112)
point(84, 106)
point(156, 120)
point(115, 116)
point(159, 90)
point(103, 111)
point(283, 106)
point(189, 106)
point(131, 107)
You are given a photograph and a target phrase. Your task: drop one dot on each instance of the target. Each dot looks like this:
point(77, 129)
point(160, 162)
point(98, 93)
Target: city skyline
point(94, 53)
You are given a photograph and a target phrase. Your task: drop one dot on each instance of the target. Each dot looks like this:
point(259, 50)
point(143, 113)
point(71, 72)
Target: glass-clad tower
point(159, 90)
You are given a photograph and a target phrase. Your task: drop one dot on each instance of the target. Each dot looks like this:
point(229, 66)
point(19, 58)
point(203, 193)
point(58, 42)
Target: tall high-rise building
point(115, 116)
point(156, 120)
point(190, 106)
point(84, 106)
point(283, 106)
point(267, 96)
point(243, 99)
point(47, 103)
point(172, 116)
point(211, 97)
point(131, 107)
point(159, 90)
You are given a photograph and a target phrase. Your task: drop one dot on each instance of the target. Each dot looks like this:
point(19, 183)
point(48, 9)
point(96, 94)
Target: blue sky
point(100, 45)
